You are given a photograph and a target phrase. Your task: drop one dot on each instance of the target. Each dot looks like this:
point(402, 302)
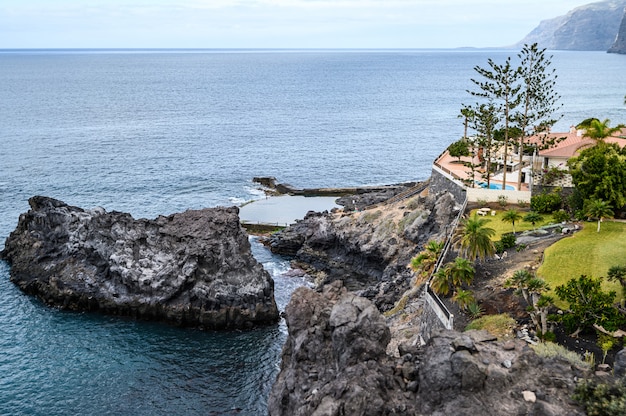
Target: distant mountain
point(620, 43)
point(592, 27)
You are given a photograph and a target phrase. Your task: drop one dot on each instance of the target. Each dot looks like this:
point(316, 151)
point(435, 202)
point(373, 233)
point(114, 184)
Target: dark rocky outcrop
point(620, 41)
point(370, 250)
point(592, 27)
point(334, 363)
point(192, 269)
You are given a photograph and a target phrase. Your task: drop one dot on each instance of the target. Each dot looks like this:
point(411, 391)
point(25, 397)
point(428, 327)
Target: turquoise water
point(160, 132)
point(495, 186)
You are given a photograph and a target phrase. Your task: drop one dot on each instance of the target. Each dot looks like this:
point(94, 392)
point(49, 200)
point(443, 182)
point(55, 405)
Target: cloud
point(271, 23)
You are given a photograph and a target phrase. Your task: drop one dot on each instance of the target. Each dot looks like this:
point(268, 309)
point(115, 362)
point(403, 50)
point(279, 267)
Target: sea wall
point(441, 182)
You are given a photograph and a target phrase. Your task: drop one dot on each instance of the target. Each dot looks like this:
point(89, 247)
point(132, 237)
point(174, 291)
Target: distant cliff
point(592, 27)
point(620, 42)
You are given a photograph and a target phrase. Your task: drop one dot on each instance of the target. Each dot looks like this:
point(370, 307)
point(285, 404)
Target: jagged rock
point(368, 251)
point(192, 269)
point(331, 365)
point(619, 365)
point(334, 360)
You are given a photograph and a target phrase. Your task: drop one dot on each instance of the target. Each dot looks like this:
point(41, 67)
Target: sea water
point(158, 132)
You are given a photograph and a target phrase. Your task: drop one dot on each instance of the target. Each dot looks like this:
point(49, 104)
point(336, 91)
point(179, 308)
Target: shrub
point(552, 350)
point(560, 216)
point(601, 398)
point(546, 202)
point(588, 305)
point(522, 204)
point(459, 148)
point(474, 310)
point(503, 200)
point(509, 240)
point(500, 325)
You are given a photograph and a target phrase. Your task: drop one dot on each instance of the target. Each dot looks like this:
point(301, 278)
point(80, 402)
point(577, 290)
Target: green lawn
point(502, 227)
point(586, 252)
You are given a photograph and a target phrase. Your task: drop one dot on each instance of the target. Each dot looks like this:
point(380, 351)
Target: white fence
point(491, 195)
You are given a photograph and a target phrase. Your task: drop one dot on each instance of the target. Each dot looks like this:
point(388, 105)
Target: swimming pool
point(495, 186)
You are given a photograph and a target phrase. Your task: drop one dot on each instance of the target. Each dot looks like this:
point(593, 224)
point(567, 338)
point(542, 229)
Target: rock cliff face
point(620, 42)
point(334, 363)
point(369, 250)
point(592, 27)
point(191, 269)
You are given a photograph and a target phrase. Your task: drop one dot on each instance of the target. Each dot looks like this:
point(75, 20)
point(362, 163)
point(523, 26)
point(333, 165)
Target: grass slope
point(586, 252)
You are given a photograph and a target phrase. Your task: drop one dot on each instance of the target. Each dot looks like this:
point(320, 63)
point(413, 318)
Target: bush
point(508, 240)
point(546, 202)
point(500, 325)
point(560, 215)
point(601, 398)
point(503, 200)
point(459, 148)
point(551, 350)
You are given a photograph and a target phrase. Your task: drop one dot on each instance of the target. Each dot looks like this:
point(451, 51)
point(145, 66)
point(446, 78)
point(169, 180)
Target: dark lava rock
point(334, 362)
point(368, 251)
point(191, 269)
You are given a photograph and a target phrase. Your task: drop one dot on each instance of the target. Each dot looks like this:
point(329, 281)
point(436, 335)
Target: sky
point(272, 23)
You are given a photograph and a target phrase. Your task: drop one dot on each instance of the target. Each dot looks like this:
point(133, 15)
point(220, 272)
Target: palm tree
point(461, 272)
point(452, 276)
point(473, 238)
point(511, 216)
point(597, 208)
point(424, 262)
point(463, 298)
point(598, 130)
point(441, 282)
point(533, 218)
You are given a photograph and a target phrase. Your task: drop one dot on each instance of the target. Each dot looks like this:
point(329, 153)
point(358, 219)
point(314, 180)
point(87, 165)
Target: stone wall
point(441, 182)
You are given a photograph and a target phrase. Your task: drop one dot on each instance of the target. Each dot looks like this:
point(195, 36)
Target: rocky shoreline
point(335, 363)
point(190, 269)
point(352, 350)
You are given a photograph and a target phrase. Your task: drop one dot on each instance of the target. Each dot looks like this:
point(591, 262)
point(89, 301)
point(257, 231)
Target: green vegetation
point(533, 218)
point(473, 238)
point(551, 350)
point(546, 203)
point(516, 102)
point(458, 149)
point(588, 305)
point(453, 276)
point(398, 307)
point(500, 325)
point(598, 209)
point(599, 172)
point(533, 290)
point(601, 399)
point(425, 261)
point(501, 227)
point(600, 251)
point(511, 216)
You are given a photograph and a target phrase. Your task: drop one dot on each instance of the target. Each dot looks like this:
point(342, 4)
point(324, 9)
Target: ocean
point(161, 131)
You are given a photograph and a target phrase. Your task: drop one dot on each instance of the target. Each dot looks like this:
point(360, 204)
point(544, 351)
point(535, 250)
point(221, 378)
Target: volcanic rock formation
point(334, 363)
point(368, 251)
point(191, 269)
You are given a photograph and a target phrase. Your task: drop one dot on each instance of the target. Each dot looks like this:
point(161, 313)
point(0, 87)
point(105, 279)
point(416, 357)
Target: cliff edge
point(620, 42)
